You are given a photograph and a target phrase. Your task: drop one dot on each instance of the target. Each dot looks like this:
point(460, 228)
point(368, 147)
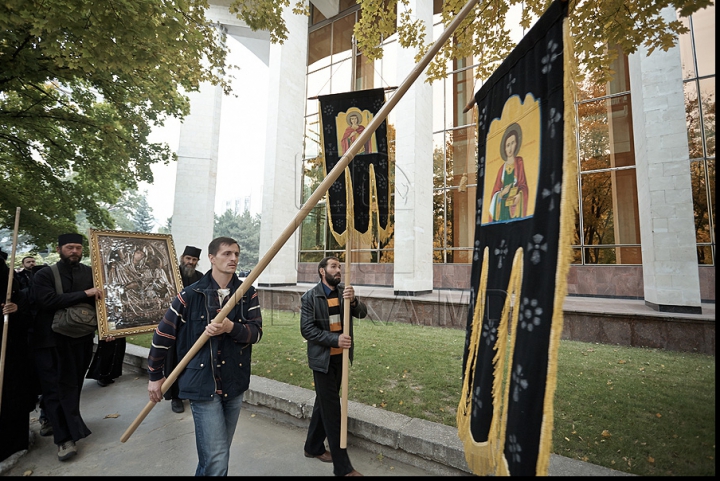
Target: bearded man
point(188, 265)
point(62, 361)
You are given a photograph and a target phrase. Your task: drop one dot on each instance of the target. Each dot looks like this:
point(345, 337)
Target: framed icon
point(140, 277)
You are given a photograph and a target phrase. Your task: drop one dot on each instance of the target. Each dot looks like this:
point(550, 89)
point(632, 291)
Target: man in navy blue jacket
point(218, 375)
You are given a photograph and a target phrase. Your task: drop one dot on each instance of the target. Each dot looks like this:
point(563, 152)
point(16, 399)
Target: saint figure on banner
point(510, 191)
point(352, 132)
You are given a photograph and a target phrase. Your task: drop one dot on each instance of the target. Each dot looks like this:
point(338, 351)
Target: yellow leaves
point(621, 361)
point(650, 459)
point(111, 416)
point(658, 415)
point(605, 433)
point(400, 403)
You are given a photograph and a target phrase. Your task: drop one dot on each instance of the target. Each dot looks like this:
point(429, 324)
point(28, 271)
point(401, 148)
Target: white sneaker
point(66, 450)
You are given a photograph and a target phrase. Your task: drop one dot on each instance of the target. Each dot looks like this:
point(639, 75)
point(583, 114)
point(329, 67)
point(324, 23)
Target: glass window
point(342, 37)
point(707, 103)
point(313, 229)
point(697, 53)
point(605, 129)
point(686, 48)
point(692, 117)
point(609, 217)
point(364, 73)
point(438, 93)
point(319, 48)
point(341, 80)
point(312, 137)
point(385, 69)
point(703, 32)
point(332, 68)
point(318, 83)
point(316, 15)
point(346, 4)
point(463, 91)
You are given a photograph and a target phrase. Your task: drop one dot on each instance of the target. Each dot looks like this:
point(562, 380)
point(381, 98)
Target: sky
point(241, 153)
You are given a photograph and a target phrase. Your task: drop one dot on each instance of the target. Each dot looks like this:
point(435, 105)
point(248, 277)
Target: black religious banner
point(525, 211)
point(344, 117)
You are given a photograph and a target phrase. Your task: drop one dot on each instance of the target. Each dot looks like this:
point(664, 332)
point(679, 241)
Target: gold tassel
point(568, 209)
point(478, 457)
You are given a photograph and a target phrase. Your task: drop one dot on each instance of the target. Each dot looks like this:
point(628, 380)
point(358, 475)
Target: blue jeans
point(215, 423)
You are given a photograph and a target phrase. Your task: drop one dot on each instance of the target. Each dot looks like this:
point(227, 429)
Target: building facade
point(645, 227)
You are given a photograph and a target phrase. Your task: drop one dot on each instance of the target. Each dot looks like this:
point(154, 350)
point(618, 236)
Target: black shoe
point(102, 383)
point(45, 428)
point(177, 406)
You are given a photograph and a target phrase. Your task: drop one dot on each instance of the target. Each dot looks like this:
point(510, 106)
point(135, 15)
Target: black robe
point(108, 360)
point(18, 394)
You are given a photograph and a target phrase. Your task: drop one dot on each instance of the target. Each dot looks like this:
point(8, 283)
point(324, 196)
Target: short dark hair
point(27, 257)
point(323, 263)
point(215, 244)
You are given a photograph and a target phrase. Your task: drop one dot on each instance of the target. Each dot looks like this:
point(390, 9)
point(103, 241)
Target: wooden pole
point(8, 296)
point(308, 206)
point(350, 227)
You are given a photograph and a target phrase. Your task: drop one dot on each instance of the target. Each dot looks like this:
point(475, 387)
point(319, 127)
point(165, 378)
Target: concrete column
point(283, 157)
point(413, 174)
point(667, 229)
point(196, 178)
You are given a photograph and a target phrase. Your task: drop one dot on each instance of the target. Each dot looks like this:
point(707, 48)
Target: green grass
point(643, 411)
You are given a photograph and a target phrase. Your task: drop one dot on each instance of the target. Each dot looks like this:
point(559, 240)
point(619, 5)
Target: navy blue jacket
point(226, 356)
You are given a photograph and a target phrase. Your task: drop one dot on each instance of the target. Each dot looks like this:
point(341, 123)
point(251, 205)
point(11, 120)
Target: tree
point(123, 213)
point(167, 228)
point(245, 229)
point(485, 33)
point(83, 82)
point(143, 221)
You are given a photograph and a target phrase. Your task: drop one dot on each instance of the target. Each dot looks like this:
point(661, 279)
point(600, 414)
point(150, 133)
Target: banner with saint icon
point(351, 197)
point(525, 213)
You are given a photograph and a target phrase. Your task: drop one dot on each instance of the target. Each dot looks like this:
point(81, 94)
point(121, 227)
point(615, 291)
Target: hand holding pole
point(8, 296)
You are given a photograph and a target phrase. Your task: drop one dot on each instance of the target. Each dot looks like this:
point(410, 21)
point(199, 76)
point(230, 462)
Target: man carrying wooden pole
point(309, 205)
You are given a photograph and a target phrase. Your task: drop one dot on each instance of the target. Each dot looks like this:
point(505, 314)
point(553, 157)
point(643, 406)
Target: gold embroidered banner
point(526, 200)
point(344, 117)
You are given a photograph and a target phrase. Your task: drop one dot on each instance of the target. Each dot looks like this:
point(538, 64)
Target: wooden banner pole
point(8, 296)
point(308, 206)
point(350, 228)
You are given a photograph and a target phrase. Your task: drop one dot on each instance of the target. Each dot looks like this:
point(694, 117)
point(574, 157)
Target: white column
point(196, 178)
point(413, 270)
point(283, 157)
point(667, 229)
